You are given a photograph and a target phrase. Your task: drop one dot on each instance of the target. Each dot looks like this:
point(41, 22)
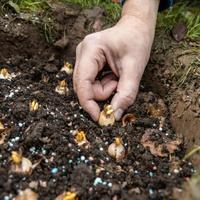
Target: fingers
point(104, 88)
point(78, 55)
point(126, 90)
point(90, 60)
point(86, 99)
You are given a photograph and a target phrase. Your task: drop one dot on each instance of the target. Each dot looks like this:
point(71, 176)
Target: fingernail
point(118, 114)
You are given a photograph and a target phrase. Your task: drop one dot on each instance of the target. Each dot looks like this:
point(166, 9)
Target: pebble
point(70, 145)
point(6, 198)
point(101, 149)
point(150, 191)
point(32, 149)
point(151, 174)
point(97, 181)
point(190, 163)
point(136, 172)
point(82, 158)
point(71, 131)
point(70, 161)
point(44, 151)
point(54, 170)
point(176, 171)
point(107, 159)
point(154, 168)
point(91, 158)
point(10, 144)
point(15, 139)
point(109, 184)
point(11, 94)
point(20, 124)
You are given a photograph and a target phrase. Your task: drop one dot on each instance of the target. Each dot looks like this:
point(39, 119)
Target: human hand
point(126, 48)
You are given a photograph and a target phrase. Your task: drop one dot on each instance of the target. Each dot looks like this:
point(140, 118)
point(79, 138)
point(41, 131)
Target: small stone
point(44, 151)
point(11, 94)
point(82, 158)
point(176, 171)
point(91, 158)
point(97, 181)
point(150, 191)
point(32, 149)
point(151, 174)
point(17, 138)
point(10, 144)
point(70, 161)
point(6, 198)
point(20, 124)
point(54, 170)
point(109, 184)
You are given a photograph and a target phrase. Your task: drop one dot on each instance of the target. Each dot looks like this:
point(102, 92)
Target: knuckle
point(91, 39)
point(129, 99)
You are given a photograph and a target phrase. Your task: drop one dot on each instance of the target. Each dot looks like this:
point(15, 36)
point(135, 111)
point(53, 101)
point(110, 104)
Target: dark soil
point(47, 134)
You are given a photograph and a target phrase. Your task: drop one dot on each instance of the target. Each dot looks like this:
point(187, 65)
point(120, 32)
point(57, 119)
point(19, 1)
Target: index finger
point(90, 63)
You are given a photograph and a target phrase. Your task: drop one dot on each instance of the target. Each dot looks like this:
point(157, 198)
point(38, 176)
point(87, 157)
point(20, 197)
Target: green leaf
point(14, 6)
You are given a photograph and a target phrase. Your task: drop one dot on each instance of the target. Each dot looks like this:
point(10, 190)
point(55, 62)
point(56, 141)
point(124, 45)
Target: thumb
point(126, 90)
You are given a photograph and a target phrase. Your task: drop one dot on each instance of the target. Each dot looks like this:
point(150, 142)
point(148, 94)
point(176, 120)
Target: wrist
point(145, 10)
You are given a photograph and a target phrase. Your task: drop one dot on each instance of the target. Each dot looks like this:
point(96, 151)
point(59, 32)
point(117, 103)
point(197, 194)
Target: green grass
point(192, 152)
point(34, 6)
point(194, 185)
point(183, 74)
point(181, 12)
point(112, 10)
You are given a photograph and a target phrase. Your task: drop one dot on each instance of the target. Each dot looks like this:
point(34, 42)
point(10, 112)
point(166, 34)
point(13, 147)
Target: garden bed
point(152, 167)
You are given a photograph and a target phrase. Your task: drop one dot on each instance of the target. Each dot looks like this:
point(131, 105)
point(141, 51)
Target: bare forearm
point(145, 10)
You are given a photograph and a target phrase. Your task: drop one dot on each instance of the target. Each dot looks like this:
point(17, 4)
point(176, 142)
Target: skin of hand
point(126, 49)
